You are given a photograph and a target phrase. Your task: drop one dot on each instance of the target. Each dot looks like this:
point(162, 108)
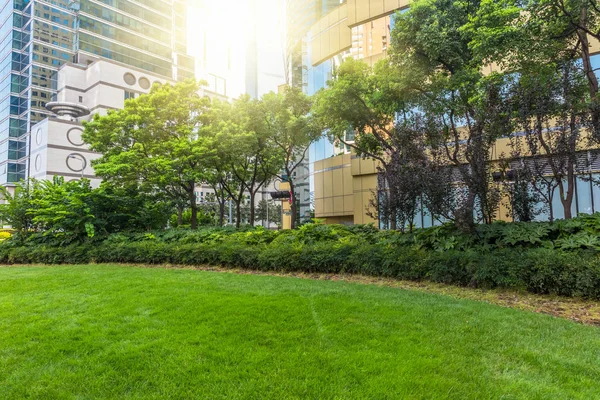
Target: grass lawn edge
point(575, 309)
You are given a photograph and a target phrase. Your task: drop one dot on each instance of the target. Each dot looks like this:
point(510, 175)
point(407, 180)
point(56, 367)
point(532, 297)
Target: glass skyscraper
point(39, 36)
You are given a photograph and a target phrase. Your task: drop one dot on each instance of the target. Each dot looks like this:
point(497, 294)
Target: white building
point(56, 146)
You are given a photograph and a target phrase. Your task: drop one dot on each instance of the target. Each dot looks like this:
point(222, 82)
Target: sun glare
point(219, 33)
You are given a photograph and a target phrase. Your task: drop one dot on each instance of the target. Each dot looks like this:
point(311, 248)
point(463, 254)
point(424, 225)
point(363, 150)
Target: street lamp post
point(82, 160)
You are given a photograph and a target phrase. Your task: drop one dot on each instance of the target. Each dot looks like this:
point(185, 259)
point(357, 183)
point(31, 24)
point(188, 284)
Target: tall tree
point(518, 35)
point(245, 149)
point(155, 141)
point(385, 127)
point(431, 49)
point(551, 109)
point(291, 128)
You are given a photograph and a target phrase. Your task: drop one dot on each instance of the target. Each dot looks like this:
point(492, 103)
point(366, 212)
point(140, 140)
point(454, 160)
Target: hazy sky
point(219, 29)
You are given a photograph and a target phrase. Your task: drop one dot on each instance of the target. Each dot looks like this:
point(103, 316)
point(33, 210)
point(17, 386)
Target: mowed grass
point(125, 332)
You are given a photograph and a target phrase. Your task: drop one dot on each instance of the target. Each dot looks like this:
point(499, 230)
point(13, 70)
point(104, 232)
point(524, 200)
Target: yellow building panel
point(343, 12)
point(358, 208)
point(328, 206)
point(369, 182)
point(375, 7)
point(319, 207)
point(319, 165)
point(345, 37)
point(362, 11)
point(319, 189)
point(334, 37)
point(355, 166)
point(338, 182)
point(327, 184)
point(338, 205)
point(347, 181)
point(389, 5)
point(333, 17)
point(349, 204)
point(594, 46)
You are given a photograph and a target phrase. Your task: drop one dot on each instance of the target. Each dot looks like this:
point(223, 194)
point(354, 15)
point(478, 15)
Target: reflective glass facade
point(37, 37)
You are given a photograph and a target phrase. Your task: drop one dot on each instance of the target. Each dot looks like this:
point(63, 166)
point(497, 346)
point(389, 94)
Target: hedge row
point(538, 270)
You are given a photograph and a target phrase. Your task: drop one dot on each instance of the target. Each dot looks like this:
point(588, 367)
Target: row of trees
point(172, 140)
point(433, 112)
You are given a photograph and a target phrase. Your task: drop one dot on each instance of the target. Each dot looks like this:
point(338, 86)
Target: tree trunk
point(193, 209)
point(252, 211)
point(567, 198)
point(238, 214)
point(464, 216)
point(221, 212)
point(179, 215)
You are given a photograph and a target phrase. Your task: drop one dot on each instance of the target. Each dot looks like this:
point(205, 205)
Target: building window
point(129, 95)
point(81, 99)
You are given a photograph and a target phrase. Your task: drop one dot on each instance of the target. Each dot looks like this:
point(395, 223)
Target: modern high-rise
point(301, 15)
point(40, 36)
point(342, 184)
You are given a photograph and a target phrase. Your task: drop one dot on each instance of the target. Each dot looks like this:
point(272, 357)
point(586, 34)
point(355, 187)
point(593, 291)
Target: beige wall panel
point(367, 166)
point(343, 11)
point(328, 206)
point(319, 194)
point(351, 12)
point(401, 5)
point(328, 162)
point(355, 166)
point(338, 183)
point(332, 18)
point(346, 159)
point(369, 182)
point(349, 204)
point(345, 37)
point(356, 183)
point(334, 38)
point(502, 146)
point(389, 5)
point(376, 8)
point(366, 197)
point(319, 165)
point(362, 10)
point(594, 46)
point(319, 207)
point(358, 208)
point(348, 181)
point(327, 184)
point(338, 205)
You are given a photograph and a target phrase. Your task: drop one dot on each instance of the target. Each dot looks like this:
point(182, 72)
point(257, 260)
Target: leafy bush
point(559, 258)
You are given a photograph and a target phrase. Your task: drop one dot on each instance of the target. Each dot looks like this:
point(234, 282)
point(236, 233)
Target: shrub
point(558, 258)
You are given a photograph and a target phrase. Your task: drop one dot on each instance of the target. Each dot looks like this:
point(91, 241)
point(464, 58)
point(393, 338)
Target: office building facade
point(342, 184)
point(38, 37)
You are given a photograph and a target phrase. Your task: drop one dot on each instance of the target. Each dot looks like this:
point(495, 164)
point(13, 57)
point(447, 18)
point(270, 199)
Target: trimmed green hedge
point(539, 270)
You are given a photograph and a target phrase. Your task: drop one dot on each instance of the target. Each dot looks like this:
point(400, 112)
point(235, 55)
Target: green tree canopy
point(156, 142)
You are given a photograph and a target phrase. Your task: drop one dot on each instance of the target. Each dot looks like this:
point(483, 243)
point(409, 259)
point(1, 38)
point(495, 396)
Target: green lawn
point(125, 332)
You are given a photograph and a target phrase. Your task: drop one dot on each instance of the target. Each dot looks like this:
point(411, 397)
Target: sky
point(218, 31)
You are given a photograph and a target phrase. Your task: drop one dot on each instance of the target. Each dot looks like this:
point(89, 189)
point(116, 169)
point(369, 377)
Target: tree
point(247, 159)
point(291, 128)
point(520, 35)
point(16, 209)
point(63, 210)
point(155, 142)
point(430, 48)
point(551, 110)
